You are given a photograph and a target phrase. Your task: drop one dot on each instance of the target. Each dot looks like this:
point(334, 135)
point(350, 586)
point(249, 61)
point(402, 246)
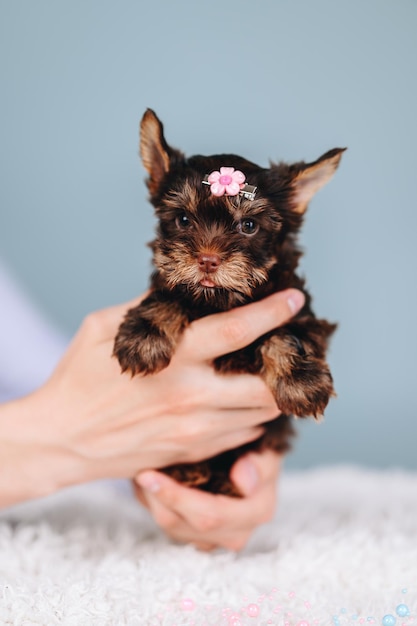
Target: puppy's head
point(222, 248)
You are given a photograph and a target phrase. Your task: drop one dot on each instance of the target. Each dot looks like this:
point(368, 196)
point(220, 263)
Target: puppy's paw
point(306, 390)
point(142, 351)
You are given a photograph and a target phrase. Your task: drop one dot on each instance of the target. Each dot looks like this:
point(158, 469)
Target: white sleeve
point(29, 346)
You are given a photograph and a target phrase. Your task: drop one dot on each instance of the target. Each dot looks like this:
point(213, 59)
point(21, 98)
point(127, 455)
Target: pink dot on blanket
point(187, 604)
point(253, 610)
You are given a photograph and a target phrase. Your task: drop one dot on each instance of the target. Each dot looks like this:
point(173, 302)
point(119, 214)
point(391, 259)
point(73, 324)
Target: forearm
point(30, 465)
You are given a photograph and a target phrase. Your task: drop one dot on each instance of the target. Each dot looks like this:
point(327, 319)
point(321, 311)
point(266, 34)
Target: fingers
point(239, 391)
point(218, 334)
point(224, 332)
point(168, 500)
point(209, 521)
point(227, 441)
point(254, 469)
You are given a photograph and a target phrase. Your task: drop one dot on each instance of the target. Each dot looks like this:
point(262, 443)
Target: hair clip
point(229, 182)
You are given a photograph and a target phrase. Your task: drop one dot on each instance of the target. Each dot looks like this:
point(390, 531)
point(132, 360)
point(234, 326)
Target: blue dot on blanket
point(402, 610)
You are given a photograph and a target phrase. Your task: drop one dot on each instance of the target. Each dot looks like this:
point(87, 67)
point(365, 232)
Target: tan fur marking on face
point(248, 207)
point(241, 208)
point(186, 199)
point(234, 274)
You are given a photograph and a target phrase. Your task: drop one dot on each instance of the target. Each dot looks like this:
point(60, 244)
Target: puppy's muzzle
point(208, 263)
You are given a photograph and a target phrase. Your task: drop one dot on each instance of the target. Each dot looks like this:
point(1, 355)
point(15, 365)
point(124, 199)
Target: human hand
point(89, 421)
point(118, 426)
point(211, 521)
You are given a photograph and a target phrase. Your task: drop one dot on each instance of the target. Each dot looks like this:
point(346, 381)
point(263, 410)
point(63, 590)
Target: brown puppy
point(227, 236)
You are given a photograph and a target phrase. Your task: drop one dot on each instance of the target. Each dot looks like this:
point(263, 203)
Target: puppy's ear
point(156, 154)
point(310, 177)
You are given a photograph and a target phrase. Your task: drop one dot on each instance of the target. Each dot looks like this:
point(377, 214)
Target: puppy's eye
point(182, 221)
point(248, 226)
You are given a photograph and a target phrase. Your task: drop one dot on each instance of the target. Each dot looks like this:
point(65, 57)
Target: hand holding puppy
point(89, 421)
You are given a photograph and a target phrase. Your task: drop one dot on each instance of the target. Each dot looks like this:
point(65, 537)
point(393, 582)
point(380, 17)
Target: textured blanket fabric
point(341, 550)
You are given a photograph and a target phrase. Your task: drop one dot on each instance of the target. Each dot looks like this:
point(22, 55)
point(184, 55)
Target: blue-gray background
point(279, 79)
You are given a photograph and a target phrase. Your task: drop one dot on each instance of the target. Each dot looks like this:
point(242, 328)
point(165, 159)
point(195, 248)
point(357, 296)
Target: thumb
point(231, 330)
point(245, 474)
point(256, 469)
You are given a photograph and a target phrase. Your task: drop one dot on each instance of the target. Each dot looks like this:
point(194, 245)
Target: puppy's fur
point(214, 253)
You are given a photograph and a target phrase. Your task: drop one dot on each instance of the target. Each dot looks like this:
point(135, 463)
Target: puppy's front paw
point(142, 350)
point(306, 390)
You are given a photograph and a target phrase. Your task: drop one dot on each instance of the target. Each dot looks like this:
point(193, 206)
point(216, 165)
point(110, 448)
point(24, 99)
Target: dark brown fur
point(195, 226)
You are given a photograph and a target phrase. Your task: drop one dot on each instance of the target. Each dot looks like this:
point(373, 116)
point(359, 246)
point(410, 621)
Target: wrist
point(32, 464)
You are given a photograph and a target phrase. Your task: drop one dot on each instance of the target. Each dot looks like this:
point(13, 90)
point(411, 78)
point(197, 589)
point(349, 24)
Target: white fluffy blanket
point(341, 550)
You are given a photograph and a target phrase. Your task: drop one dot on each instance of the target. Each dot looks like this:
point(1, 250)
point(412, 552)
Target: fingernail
point(296, 301)
point(148, 482)
point(249, 474)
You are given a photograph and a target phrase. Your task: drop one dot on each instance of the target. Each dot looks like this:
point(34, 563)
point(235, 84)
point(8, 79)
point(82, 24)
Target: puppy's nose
point(208, 262)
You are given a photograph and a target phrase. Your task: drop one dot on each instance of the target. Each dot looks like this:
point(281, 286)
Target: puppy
point(226, 236)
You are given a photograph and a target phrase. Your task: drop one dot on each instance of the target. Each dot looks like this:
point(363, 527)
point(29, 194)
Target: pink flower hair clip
point(229, 182)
